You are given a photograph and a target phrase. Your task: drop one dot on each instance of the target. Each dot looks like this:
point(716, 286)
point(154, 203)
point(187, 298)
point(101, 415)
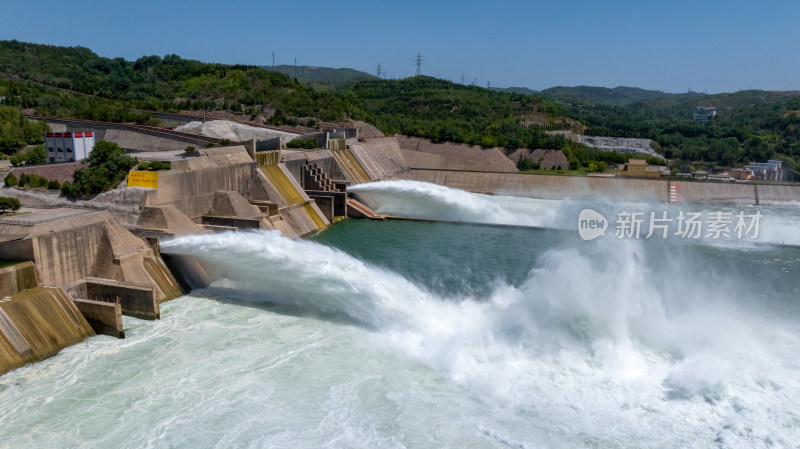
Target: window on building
point(60, 150)
point(50, 150)
point(52, 159)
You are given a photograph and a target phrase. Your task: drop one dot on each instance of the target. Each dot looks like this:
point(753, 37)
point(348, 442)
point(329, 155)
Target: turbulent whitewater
point(397, 334)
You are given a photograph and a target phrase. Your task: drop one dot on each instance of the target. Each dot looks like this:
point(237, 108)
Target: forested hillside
point(419, 106)
point(75, 82)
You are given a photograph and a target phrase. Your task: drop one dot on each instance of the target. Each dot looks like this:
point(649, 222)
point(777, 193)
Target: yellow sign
point(143, 179)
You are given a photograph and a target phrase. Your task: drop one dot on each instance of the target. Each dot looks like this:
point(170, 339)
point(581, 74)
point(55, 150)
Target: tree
point(103, 151)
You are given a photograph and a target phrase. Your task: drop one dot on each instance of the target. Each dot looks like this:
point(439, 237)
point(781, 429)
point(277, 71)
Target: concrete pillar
point(250, 145)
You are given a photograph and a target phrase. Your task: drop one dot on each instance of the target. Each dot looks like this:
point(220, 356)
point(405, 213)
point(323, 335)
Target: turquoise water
point(419, 335)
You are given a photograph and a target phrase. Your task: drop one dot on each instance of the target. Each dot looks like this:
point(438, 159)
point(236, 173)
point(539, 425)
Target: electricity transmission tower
point(419, 63)
point(378, 71)
point(462, 79)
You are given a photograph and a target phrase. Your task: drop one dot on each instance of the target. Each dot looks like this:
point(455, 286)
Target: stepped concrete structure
point(35, 322)
point(68, 245)
point(277, 185)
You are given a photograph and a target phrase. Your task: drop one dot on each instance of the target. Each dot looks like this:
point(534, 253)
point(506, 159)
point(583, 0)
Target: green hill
point(322, 75)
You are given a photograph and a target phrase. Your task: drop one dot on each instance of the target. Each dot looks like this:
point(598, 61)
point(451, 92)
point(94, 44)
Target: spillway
point(403, 334)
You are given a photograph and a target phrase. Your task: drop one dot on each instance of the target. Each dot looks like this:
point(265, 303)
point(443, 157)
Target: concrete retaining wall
point(418, 159)
point(17, 278)
point(36, 324)
point(192, 192)
point(90, 245)
point(493, 159)
point(557, 187)
point(233, 222)
point(711, 192)
point(380, 157)
point(778, 194)
point(136, 300)
point(545, 186)
point(104, 317)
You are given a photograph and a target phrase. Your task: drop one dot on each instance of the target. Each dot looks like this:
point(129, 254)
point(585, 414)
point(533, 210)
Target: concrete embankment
point(629, 189)
point(544, 186)
point(36, 324)
point(422, 153)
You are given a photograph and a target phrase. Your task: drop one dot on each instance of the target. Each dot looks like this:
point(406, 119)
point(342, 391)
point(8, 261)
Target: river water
point(444, 335)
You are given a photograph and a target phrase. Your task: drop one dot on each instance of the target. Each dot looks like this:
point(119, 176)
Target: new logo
point(591, 224)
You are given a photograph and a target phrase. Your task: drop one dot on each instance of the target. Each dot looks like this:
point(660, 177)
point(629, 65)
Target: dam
point(375, 333)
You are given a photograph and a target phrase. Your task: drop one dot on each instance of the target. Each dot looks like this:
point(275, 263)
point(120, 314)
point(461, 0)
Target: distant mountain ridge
point(322, 75)
point(515, 90)
point(617, 96)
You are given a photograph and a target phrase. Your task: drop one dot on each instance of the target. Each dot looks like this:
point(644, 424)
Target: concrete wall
point(338, 202)
point(104, 317)
point(493, 159)
point(544, 186)
point(233, 222)
point(168, 219)
point(323, 159)
point(380, 157)
point(269, 144)
point(36, 324)
point(137, 300)
point(419, 159)
point(703, 192)
point(192, 192)
point(17, 278)
point(557, 187)
point(91, 245)
point(778, 194)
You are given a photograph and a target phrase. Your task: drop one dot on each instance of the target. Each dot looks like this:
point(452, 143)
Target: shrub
point(209, 144)
point(158, 165)
point(189, 149)
point(11, 180)
point(70, 189)
point(53, 185)
point(225, 142)
point(526, 163)
point(308, 144)
point(11, 204)
point(144, 165)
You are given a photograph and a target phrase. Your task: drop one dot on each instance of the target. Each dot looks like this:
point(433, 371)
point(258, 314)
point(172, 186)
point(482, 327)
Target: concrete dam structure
point(81, 269)
point(35, 322)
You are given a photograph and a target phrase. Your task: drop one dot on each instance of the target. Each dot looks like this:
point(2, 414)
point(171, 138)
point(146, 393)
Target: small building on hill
point(704, 114)
point(68, 147)
point(639, 168)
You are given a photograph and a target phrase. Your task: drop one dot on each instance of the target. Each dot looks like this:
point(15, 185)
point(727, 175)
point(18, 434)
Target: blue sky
point(703, 45)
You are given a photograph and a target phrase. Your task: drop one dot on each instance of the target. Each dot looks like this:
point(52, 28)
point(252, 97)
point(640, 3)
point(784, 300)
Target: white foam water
point(609, 343)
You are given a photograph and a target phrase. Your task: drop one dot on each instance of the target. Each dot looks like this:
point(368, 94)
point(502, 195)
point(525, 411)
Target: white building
point(68, 147)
